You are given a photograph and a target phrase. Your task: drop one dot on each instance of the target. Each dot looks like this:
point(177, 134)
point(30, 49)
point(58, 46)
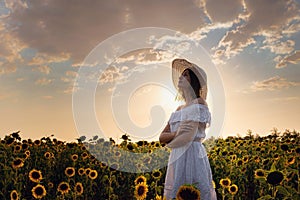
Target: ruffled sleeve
point(194, 112)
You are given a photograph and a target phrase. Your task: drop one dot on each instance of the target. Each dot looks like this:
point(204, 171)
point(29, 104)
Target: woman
point(188, 161)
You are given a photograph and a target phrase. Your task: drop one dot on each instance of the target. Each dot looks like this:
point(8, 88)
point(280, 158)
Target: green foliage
point(235, 158)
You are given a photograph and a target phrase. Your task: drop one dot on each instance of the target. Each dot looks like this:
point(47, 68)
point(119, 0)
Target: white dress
point(189, 164)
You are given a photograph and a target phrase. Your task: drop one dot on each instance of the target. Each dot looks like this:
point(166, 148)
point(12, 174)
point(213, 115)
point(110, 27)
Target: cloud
point(275, 45)
point(57, 26)
point(70, 89)
point(43, 69)
point(273, 83)
point(220, 11)
point(70, 76)
point(285, 99)
point(293, 59)
point(44, 59)
point(110, 75)
point(43, 81)
point(7, 69)
point(279, 20)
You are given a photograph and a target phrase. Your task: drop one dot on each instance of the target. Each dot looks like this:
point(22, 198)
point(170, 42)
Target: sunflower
point(243, 170)
point(284, 147)
point(130, 147)
point(275, 177)
point(289, 176)
point(157, 144)
point(63, 187)
point(35, 175)
point(87, 171)
point(140, 143)
point(297, 150)
point(50, 185)
point(245, 159)
point(81, 171)
point(233, 189)
point(141, 190)
point(290, 151)
point(260, 173)
point(265, 161)
point(225, 182)
point(103, 165)
point(17, 163)
point(256, 159)
point(188, 192)
point(47, 155)
point(38, 191)
point(117, 153)
point(10, 141)
point(70, 171)
point(157, 197)
point(92, 158)
point(74, 157)
point(147, 160)
point(78, 188)
point(125, 137)
point(93, 174)
point(224, 153)
point(27, 153)
point(114, 166)
point(213, 184)
point(276, 156)
point(84, 155)
point(239, 162)
point(24, 146)
point(291, 160)
point(140, 179)
point(156, 174)
point(233, 157)
point(274, 148)
point(37, 142)
point(14, 195)
point(17, 148)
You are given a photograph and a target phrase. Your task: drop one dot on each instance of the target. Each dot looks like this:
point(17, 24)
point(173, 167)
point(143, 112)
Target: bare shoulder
point(179, 107)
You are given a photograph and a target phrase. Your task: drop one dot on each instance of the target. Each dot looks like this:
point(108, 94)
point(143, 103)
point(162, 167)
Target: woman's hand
point(166, 136)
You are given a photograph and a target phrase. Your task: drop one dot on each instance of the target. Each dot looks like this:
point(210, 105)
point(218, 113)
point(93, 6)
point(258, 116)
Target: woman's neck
point(188, 97)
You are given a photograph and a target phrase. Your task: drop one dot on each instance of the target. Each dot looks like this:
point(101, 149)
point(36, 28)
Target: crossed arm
point(166, 136)
point(184, 134)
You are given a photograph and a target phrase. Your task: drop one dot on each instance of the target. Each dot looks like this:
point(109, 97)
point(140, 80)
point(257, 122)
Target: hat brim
point(178, 67)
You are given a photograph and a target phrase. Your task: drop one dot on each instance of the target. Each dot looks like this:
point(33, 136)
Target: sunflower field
point(250, 167)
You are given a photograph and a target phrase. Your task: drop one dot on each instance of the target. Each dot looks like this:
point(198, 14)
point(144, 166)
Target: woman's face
point(184, 80)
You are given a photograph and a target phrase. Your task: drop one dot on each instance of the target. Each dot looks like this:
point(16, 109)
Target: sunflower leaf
point(266, 197)
point(273, 167)
point(282, 190)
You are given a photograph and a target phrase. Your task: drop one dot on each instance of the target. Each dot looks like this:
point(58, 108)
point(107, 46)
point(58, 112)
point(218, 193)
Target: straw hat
point(179, 65)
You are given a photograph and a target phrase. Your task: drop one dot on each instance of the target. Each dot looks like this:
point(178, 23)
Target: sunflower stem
point(223, 194)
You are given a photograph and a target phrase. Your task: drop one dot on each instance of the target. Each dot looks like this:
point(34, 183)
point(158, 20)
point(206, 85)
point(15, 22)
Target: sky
point(73, 68)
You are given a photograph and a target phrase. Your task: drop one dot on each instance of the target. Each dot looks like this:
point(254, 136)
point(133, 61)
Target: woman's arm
point(166, 136)
point(185, 133)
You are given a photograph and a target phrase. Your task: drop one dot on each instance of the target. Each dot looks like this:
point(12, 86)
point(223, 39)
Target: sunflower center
point(141, 190)
point(64, 187)
point(274, 178)
point(39, 191)
point(35, 175)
